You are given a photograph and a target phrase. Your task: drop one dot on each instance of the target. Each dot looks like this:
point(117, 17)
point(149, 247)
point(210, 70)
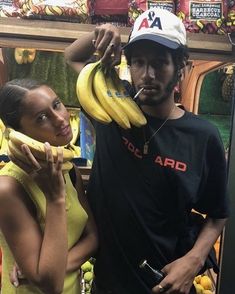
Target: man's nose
point(149, 71)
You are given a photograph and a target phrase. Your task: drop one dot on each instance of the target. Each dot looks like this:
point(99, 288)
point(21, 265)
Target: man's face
point(153, 69)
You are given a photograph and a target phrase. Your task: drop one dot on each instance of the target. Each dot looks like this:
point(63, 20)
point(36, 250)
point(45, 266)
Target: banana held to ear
point(124, 100)
point(13, 150)
point(37, 148)
point(107, 101)
point(86, 96)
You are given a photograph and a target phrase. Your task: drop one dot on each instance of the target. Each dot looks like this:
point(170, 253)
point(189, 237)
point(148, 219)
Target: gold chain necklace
point(146, 143)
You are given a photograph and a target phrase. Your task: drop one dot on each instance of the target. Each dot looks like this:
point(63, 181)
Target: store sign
point(205, 11)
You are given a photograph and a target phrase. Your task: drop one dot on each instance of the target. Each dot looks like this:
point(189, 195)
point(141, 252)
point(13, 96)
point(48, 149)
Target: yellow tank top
point(76, 221)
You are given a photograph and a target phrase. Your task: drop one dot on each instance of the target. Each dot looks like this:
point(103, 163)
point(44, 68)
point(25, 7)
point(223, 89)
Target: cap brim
point(155, 38)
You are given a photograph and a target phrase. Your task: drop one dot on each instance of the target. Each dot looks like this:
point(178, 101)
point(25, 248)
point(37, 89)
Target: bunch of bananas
point(16, 139)
point(104, 97)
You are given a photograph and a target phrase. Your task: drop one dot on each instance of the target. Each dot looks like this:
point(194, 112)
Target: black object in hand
point(154, 275)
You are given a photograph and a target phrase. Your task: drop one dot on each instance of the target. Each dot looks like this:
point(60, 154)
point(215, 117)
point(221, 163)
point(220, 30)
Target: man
point(142, 203)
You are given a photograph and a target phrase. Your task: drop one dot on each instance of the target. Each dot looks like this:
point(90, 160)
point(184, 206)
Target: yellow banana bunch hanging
point(109, 103)
point(86, 95)
point(104, 98)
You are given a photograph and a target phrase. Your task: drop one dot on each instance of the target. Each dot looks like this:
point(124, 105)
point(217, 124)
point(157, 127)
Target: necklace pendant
point(146, 148)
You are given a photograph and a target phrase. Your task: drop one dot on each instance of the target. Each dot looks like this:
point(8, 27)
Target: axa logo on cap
point(152, 21)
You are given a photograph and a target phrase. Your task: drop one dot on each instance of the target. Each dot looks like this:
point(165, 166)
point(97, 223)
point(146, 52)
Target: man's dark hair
point(179, 55)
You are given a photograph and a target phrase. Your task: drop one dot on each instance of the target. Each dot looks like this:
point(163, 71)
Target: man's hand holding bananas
point(100, 91)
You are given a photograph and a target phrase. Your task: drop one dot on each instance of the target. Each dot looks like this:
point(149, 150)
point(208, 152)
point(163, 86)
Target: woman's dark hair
point(12, 95)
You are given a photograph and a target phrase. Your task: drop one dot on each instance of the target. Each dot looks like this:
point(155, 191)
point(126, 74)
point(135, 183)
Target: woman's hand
point(107, 43)
point(179, 277)
point(16, 276)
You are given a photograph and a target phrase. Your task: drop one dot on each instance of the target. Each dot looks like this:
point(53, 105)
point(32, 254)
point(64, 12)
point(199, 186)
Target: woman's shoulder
point(11, 195)
point(9, 187)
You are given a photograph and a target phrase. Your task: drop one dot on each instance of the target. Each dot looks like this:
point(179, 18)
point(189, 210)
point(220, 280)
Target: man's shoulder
point(201, 123)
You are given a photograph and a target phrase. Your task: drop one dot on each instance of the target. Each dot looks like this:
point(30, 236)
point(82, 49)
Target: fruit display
point(87, 275)
point(203, 284)
point(56, 9)
point(24, 55)
point(103, 96)
point(228, 84)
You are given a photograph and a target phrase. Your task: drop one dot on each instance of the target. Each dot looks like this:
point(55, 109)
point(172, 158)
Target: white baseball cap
point(158, 25)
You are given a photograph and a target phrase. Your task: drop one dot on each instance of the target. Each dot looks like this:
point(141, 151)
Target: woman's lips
point(64, 131)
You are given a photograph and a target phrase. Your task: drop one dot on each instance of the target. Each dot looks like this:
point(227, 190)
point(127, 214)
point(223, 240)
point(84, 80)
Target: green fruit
point(88, 276)
point(86, 266)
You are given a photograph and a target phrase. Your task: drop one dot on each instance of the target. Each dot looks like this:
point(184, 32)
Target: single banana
point(107, 101)
point(14, 150)
point(124, 100)
point(36, 147)
point(86, 96)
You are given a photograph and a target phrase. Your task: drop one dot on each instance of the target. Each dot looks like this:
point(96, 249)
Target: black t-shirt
point(141, 203)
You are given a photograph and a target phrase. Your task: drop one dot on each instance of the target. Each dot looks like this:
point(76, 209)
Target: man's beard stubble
point(167, 93)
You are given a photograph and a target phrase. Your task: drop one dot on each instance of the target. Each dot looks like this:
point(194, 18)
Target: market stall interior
point(34, 48)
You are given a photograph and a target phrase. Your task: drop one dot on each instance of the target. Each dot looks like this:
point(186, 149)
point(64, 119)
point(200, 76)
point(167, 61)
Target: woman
point(46, 224)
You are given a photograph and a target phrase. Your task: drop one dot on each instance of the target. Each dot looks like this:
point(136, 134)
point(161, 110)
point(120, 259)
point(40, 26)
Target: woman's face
point(45, 118)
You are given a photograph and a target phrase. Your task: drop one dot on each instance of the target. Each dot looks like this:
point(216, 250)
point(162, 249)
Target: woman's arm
point(104, 40)
point(88, 243)
point(181, 272)
point(42, 257)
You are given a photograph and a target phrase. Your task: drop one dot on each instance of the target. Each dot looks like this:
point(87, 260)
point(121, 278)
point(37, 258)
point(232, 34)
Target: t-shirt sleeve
point(213, 198)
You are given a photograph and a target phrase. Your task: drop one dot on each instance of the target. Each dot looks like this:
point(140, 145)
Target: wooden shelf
point(56, 36)
point(43, 34)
